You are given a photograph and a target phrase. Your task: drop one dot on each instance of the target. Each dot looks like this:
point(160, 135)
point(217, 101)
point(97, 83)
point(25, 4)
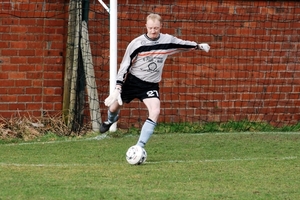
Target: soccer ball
point(136, 155)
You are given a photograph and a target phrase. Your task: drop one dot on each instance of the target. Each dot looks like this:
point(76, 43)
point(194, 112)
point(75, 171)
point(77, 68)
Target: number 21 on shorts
point(152, 93)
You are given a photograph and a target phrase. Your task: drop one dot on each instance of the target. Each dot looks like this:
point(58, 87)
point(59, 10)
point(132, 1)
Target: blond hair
point(154, 17)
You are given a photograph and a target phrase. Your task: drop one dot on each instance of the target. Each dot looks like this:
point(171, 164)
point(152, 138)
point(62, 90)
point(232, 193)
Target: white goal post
point(113, 49)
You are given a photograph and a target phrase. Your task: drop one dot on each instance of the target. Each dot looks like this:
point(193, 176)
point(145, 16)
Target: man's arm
point(188, 45)
point(124, 68)
point(126, 63)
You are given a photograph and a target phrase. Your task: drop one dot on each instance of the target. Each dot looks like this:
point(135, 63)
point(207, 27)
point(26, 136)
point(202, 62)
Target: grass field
point(179, 166)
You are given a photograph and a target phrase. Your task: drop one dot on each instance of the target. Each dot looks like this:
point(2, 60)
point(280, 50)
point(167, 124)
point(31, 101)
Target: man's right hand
point(114, 96)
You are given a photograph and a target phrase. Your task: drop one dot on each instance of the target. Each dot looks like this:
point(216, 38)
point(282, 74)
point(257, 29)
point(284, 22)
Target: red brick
point(33, 106)
point(53, 75)
point(23, 83)
point(16, 106)
point(19, 90)
point(27, 67)
point(54, 22)
point(33, 90)
point(9, 52)
point(28, 21)
point(10, 37)
point(37, 83)
point(19, 29)
point(26, 52)
point(4, 29)
point(35, 30)
point(18, 45)
point(35, 60)
point(4, 44)
point(35, 45)
point(17, 75)
point(8, 98)
point(3, 107)
point(25, 98)
point(52, 98)
point(34, 75)
point(37, 98)
point(3, 75)
point(49, 91)
point(28, 38)
point(48, 106)
point(57, 107)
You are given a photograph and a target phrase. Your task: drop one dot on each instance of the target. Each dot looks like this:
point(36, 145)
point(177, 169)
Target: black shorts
point(136, 88)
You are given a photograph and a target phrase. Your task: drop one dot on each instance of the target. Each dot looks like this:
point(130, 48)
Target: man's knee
point(154, 114)
point(115, 107)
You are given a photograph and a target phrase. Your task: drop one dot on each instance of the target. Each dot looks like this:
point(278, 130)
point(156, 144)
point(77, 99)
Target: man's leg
point(153, 105)
point(113, 116)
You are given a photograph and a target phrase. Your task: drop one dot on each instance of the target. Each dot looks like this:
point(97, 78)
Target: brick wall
point(252, 71)
point(32, 36)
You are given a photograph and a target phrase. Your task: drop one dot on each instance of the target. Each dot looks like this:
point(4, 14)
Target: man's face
point(153, 28)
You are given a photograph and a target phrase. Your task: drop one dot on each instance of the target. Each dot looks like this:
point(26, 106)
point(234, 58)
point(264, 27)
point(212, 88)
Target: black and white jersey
point(145, 58)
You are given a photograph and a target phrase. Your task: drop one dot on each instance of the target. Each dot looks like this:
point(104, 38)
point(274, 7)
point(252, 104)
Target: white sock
point(146, 132)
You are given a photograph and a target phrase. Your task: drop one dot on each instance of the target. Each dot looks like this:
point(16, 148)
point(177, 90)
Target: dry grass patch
point(29, 128)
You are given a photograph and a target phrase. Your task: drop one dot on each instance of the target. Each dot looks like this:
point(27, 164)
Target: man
point(140, 73)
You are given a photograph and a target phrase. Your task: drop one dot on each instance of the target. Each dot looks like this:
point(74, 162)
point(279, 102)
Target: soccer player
point(140, 73)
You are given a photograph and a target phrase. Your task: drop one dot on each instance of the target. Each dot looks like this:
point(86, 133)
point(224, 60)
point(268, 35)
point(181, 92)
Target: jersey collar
point(152, 39)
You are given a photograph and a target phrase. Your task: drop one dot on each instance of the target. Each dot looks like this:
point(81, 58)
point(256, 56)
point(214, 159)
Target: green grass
point(179, 166)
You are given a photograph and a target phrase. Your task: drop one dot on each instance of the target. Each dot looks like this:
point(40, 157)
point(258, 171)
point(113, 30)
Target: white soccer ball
point(136, 155)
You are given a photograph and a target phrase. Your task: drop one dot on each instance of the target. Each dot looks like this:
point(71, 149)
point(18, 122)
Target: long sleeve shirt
point(145, 58)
